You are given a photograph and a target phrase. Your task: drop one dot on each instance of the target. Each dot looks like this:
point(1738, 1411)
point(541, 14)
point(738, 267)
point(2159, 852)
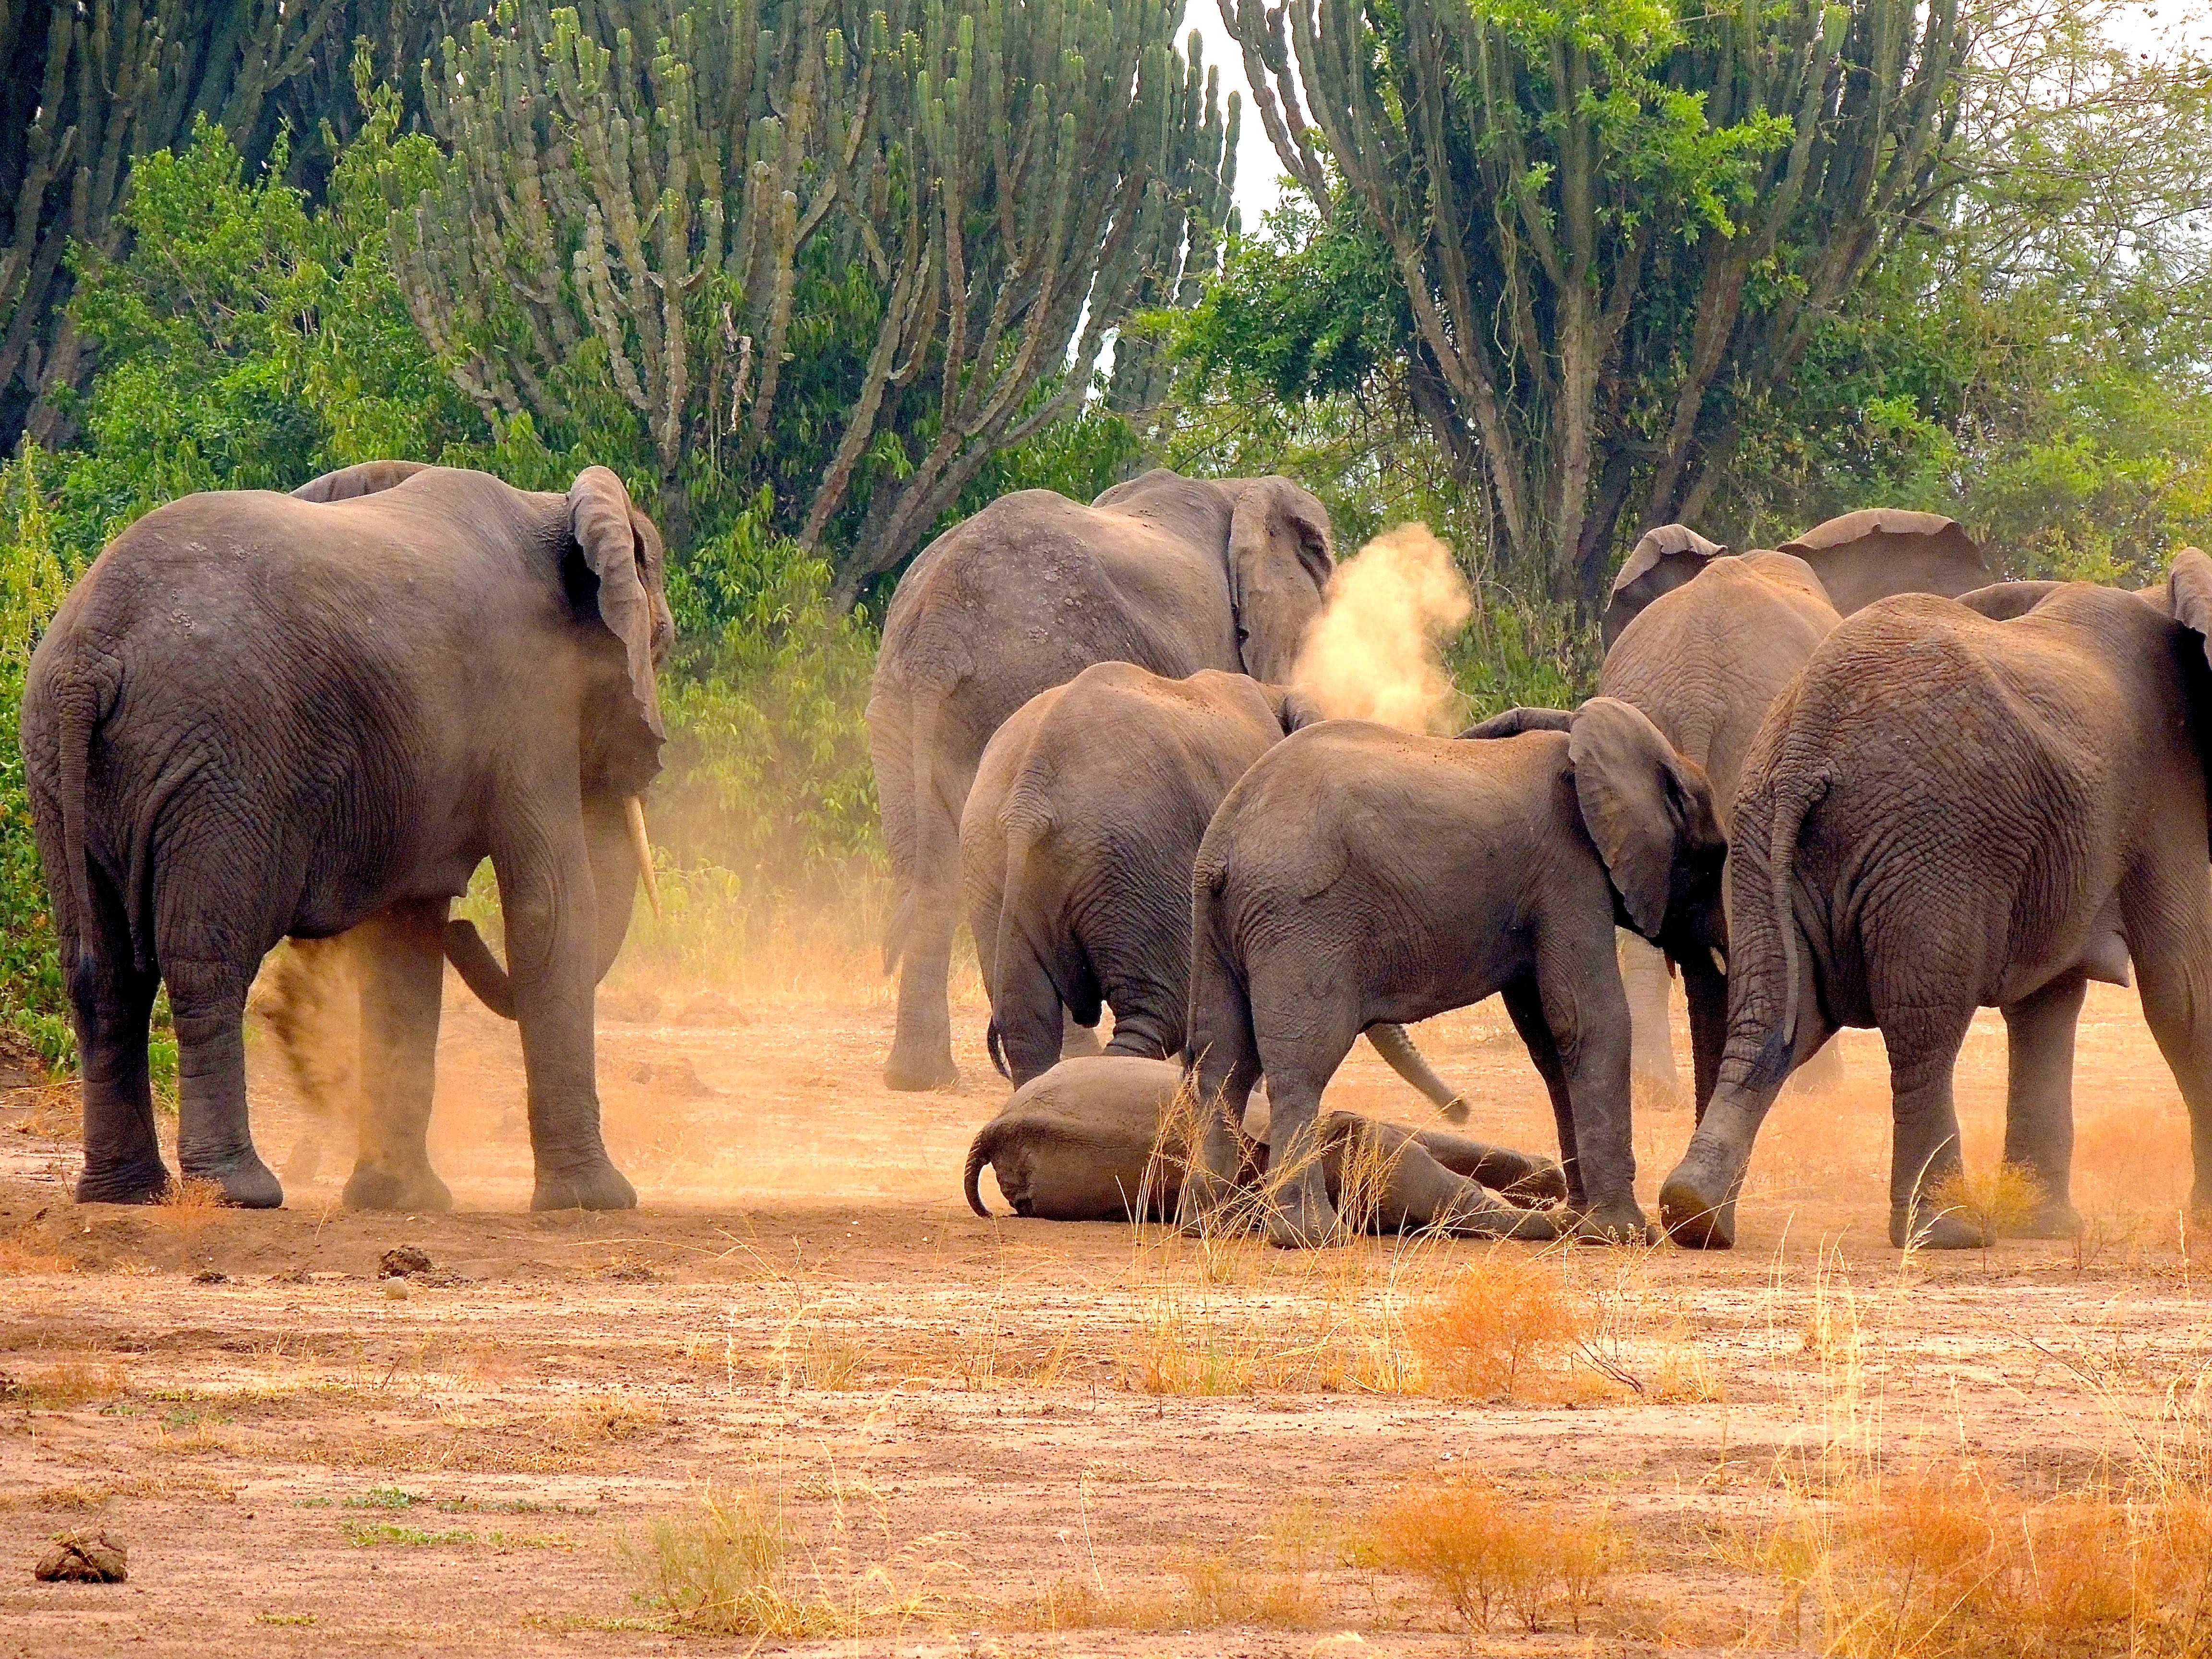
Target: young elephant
point(1357, 874)
point(1091, 1140)
point(1076, 849)
point(1946, 811)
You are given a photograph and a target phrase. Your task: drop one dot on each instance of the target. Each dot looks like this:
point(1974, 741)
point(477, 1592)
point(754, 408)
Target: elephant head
point(1648, 809)
point(1663, 560)
point(1279, 556)
point(1880, 550)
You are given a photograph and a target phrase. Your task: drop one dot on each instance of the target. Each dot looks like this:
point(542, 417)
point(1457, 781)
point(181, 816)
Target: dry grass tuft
point(187, 1206)
point(1950, 1562)
point(75, 1381)
point(1499, 1326)
point(737, 1567)
point(613, 1415)
point(1999, 1202)
point(1207, 1592)
point(1483, 1553)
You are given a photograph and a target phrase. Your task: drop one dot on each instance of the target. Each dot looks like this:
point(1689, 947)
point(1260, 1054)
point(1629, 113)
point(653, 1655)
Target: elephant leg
point(1706, 988)
point(2169, 939)
point(401, 953)
point(1299, 1213)
point(1417, 1190)
point(1923, 1052)
point(1525, 1005)
point(1032, 1024)
point(2039, 1100)
point(113, 1004)
point(545, 892)
point(215, 1140)
point(1822, 1070)
point(921, 1052)
point(1582, 1007)
point(1645, 977)
point(1519, 1175)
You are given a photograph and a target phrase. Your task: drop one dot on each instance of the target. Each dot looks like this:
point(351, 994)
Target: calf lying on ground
point(1092, 1139)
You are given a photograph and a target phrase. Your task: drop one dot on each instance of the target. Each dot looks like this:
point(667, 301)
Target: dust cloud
point(1376, 652)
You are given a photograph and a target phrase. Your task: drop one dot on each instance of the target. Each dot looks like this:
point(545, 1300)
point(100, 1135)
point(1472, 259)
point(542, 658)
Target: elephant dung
point(87, 1556)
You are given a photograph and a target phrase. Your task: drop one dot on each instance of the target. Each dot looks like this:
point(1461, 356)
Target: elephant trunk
point(612, 830)
point(1390, 1040)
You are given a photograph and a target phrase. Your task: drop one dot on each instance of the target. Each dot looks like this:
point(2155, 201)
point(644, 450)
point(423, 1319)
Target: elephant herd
point(1852, 781)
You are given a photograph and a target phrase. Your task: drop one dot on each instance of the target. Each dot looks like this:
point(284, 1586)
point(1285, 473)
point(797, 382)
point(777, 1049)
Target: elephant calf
point(1076, 850)
point(1357, 874)
point(1093, 1139)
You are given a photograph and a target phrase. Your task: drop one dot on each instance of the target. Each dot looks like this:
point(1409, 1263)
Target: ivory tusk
point(640, 844)
point(1720, 962)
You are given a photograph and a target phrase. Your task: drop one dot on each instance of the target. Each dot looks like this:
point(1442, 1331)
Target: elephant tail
point(1396, 1044)
point(1792, 807)
point(1219, 1020)
point(979, 1154)
point(479, 968)
point(78, 710)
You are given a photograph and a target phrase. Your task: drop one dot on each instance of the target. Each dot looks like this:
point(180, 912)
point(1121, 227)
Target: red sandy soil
point(953, 1414)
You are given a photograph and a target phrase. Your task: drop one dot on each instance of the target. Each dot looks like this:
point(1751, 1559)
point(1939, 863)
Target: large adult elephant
point(1076, 850)
point(1703, 642)
point(1357, 874)
point(261, 715)
point(1949, 812)
point(1172, 574)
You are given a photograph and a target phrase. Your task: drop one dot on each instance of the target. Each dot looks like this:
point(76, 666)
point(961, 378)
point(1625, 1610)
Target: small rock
point(1342, 1645)
point(395, 1290)
point(628, 1273)
point(679, 1077)
point(405, 1259)
point(289, 1276)
point(87, 1556)
point(210, 1276)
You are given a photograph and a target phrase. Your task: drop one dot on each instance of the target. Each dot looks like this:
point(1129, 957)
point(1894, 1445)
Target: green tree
point(848, 254)
point(1607, 220)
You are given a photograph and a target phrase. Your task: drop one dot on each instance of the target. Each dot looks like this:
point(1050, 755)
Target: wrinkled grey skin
point(1076, 849)
point(1093, 1139)
point(1357, 874)
point(261, 715)
point(1174, 574)
point(1946, 811)
point(1703, 642)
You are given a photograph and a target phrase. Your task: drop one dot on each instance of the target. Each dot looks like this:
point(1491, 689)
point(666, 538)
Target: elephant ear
point(2002, 601)
point(1661, 562)
point(1880, 550)
point(1279, 556)
point(1645, 804)
point(607, 529)
point(2188, 593)
point(365, 478)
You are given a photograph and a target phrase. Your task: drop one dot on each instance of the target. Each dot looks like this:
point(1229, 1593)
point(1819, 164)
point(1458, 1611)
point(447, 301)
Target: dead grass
point(1502, 1328)
point(1483, 1553)
point(736, 1565)
point(1999, 1201)
point(187, 1207)
point(75, 1381)
point(1203, 1593)
point(93, 1494)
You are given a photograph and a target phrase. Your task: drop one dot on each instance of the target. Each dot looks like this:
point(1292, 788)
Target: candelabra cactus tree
point(959, 200)
point(1616, 221)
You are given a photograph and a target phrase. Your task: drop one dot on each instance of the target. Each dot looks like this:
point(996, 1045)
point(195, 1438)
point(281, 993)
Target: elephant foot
point(1545, 1183)
point(1695, 1212)
point(416, 1191)
point(1297, 1222)
point(909, 1074)
point(247, 1183)
point(2056, 1219)
point(595, 1186)
point(124, 1183)
point(1207, 1204)
point(1937, 1230)
point(1619, 1223)
point(1502, 1221)
point(305, 1158)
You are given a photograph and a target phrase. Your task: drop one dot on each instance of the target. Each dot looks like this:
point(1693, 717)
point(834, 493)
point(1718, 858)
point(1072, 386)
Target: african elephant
point(1172, 574)
point(1076, 850)
point(1357, 874)
point(1703, 642)
point(1946, 811)
point(1095, 1139)
point(261, 715)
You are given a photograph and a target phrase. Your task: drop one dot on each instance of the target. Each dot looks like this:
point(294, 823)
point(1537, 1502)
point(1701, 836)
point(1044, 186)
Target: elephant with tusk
point(1098, 1138)
point(259, 716)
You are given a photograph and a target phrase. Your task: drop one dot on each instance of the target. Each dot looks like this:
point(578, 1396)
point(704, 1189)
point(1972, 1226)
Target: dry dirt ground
point(1017, 1436)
